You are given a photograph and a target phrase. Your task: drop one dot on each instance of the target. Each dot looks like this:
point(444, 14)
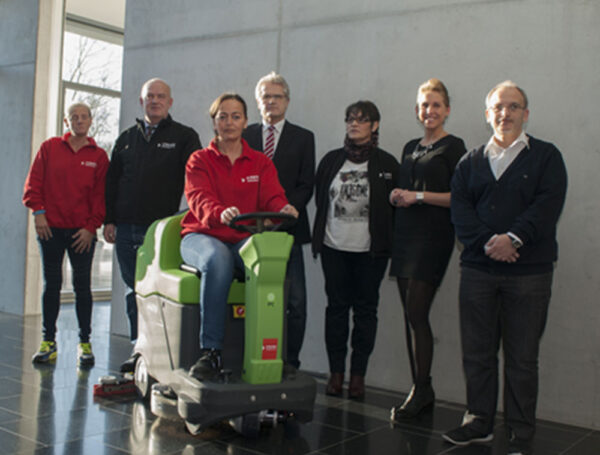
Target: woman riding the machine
point(224, 180)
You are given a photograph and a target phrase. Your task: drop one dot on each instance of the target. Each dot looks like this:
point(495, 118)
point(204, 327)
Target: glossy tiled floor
point(51, 410)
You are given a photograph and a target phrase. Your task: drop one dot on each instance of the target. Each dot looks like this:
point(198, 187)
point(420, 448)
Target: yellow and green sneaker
point(47, 353)
point(85, 357)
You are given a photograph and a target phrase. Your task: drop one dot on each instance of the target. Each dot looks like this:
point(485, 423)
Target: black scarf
point(359, 153)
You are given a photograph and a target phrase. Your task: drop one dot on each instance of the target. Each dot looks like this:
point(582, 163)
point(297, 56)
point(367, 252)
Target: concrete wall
point(30, 47)
point(335, 52)
point(18, 38)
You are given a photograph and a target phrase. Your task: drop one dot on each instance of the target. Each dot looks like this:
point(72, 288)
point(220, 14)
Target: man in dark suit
point(292, 149)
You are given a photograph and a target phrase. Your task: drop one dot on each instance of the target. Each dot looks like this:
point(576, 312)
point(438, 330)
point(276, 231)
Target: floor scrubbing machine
point(253, 389)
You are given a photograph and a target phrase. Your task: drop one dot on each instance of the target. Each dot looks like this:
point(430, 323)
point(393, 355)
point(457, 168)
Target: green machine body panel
point(265, 257)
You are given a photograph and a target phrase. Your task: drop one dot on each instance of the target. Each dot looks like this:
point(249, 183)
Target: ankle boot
point(335, 384)
point(420, 399)
point(356, 388)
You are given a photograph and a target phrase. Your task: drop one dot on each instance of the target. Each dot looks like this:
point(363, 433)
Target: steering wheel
point(287, 221)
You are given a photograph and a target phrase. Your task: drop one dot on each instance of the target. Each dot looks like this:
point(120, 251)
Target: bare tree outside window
point(92, 74)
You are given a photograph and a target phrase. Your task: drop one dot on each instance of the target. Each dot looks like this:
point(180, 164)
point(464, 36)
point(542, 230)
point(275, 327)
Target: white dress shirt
point(500, 158)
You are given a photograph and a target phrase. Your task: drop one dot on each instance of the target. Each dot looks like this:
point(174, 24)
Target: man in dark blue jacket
point(144, 183)
point(507, 196)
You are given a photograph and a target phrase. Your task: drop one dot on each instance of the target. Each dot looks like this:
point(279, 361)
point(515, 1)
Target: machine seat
point(159, 266)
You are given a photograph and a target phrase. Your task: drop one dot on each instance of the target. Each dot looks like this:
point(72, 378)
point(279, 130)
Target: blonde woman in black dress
point(423, 234)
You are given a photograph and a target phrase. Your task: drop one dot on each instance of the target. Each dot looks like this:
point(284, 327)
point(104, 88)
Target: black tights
point(417, 297)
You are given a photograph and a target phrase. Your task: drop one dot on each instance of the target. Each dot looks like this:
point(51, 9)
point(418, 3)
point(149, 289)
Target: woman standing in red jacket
point(65, 191)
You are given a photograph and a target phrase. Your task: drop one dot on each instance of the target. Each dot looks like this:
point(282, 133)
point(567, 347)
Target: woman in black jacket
point(353, 233)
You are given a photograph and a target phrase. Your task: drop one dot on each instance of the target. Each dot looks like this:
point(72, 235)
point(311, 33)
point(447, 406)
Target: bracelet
point(39, 212)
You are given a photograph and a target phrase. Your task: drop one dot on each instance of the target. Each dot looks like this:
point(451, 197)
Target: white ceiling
point(110, 12)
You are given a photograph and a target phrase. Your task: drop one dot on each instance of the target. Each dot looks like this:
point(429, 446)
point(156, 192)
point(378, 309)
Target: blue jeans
point(129, 238)
point(512, 309)
point(296, 305)
point(352, 281)
point(216, 261)
point(53, 253)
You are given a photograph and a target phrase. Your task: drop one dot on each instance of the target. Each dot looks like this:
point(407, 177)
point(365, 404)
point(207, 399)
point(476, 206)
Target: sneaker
point(85, 357)
point(465, 435)
point(47, 353)
point(207, 365)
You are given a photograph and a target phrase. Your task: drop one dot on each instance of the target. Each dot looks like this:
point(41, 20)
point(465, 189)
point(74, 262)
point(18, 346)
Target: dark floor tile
point(149, 435)
point(86, 446)
point(587, 445)
point(439, 420)
point(217, 448)
point(11, 443)
point(343, 418)
point(293, 439)
point(7, 416)
point(68, 426)
point(388, 440)
point(10, 388)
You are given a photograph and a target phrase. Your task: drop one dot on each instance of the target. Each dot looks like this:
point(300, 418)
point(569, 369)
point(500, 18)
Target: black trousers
point(512, 309)
point(53, 253)
point(352, 281)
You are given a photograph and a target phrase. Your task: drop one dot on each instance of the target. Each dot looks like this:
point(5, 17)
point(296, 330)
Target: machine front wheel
point(143, 380)
point(247, 425)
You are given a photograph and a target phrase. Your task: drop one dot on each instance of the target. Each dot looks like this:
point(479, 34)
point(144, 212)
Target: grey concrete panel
point(18, 31)
point(16, 99)
point(156, 22)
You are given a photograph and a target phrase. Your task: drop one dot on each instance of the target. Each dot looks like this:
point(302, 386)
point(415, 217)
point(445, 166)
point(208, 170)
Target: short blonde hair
point(434, 85)
point(506, 84)
point(74, 106)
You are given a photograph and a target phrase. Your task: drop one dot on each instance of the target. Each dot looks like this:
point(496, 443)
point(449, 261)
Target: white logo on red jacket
point(251, 179)
point(89, 163)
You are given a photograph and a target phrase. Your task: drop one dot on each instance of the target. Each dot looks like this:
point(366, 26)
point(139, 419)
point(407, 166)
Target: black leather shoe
point(335, 384)
point(208, 365)
point(356, 388)
point(420, 399)
point(129, 365)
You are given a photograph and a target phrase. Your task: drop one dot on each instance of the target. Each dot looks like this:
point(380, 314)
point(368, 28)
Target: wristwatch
point(420, 197)
point(515, 241)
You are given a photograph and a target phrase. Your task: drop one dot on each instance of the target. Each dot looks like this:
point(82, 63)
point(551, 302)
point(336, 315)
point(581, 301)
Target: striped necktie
point(270, 143)
point(150, 131)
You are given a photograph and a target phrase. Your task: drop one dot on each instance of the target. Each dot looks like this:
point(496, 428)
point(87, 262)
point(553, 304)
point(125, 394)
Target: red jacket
point(213, 184)
point(68, 185)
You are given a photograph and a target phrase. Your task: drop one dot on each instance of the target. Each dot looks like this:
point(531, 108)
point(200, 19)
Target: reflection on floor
point(50, 410)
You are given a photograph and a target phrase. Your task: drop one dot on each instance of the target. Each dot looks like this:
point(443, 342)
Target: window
point(91, 73)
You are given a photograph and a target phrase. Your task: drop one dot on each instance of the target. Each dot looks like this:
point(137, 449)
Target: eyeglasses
point(514, 107)
point(360, 120)
point(276, 97)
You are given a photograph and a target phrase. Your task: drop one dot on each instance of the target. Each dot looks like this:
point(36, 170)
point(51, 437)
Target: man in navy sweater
point(507, 196)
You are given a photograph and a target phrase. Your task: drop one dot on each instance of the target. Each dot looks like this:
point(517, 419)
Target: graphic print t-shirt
point(347, 226)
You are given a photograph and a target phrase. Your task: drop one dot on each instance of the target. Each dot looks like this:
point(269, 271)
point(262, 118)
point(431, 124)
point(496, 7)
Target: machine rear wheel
point(143, 380)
